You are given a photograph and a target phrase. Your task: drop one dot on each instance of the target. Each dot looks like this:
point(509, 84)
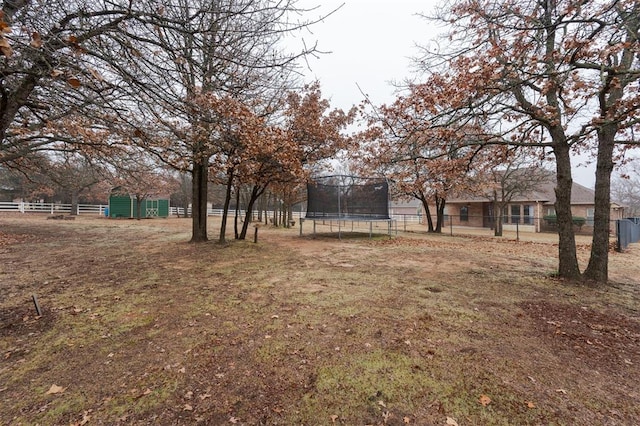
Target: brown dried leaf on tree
point(5, 48)
point(36, 40)
point(74, 82)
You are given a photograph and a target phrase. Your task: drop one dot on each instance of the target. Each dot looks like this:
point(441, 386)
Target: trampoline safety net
point(347, 198)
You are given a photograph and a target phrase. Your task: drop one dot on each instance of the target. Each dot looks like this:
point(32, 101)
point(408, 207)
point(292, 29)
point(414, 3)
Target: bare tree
point(137, 174)
point(74, 174)
point(625, 189)
point(519, 174)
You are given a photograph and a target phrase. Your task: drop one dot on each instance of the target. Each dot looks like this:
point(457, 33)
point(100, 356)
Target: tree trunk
point(282, 214)
point(236, 233)
point(255, 193)
point(261, 207)
point(74, 203)
point(427, 212)
point(225, 209)
point(598, 267)
point(440, 203)
point(138, 207)
point(9, 107)
point(498, 227)
point(568, 260)
point(499, 218)
point(200, 177)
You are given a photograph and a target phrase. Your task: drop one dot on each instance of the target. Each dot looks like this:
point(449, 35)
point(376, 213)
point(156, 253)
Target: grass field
point(140, 327)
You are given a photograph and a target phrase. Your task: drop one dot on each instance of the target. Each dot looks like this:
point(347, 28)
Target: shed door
point(152, 208)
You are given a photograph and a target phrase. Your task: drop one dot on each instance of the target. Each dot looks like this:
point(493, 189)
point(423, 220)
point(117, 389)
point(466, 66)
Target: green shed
point(124, 205)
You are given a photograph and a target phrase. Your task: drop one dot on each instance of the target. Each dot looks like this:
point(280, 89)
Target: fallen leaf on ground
point(334, 418)
point(55, 389)
point(85, 418)
point(484, 400)
point(451, 421)
point(531, 404)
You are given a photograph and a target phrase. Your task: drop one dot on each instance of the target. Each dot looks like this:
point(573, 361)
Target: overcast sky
point(370, 45)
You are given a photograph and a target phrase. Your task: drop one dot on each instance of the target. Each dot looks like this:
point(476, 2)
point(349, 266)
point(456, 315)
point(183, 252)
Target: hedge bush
point(578, 221)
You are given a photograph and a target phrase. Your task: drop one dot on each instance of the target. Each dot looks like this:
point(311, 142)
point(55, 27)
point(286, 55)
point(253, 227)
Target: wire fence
point(528, 228)
point(510, 223)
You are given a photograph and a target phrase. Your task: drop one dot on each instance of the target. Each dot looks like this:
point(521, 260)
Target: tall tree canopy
point(52, 65)
point(189, 54)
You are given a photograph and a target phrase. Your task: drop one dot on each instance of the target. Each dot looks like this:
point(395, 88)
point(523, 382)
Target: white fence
point(52, 208)
point(101, 210)
point(179, 211)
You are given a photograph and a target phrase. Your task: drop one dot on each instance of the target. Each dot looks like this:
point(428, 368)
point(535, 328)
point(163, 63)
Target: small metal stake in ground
point(37, 305)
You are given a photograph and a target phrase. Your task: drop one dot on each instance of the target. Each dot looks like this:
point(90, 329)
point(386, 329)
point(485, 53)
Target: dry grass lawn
point(140, 327)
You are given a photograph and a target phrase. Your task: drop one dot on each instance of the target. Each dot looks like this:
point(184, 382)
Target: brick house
point(527, 212)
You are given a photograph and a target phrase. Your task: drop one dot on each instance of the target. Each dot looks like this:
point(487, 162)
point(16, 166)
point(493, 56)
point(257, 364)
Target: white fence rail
point(52, 208)
point(179, 211)
point(101, 210)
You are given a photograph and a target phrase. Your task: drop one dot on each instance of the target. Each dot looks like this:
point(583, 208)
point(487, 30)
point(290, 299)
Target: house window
point(527, 212)
point(464, 214)
point(551, 211)
point(505, 215)
point(590, 214)
point(515, 213)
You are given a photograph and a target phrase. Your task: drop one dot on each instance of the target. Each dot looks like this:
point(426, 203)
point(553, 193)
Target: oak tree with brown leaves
point(52, 66)
point(191, 54)
point(561, 75)
point(405, 143)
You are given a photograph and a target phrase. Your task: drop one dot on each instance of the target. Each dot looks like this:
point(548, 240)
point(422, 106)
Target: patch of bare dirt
point(605, 341)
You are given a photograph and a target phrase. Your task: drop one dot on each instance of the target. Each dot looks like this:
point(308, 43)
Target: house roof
point(414, 202)
point(545, 194)
point(579, 194)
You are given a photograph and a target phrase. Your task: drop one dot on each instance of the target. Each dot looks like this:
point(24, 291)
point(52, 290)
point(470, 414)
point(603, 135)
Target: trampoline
point(343, 198)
